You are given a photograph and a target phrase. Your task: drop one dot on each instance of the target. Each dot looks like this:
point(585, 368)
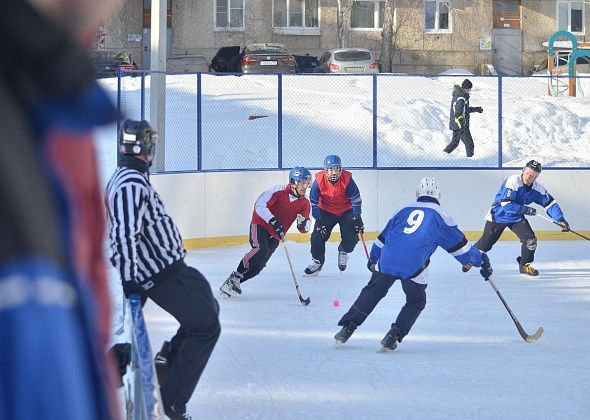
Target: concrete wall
point(215, 208)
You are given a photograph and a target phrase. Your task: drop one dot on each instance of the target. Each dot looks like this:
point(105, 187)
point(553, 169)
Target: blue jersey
point(404, 247)
point(514, 195)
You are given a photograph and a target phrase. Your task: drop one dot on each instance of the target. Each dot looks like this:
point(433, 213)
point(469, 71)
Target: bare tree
point(339, 24)
point(399, 17)
point(387, 36)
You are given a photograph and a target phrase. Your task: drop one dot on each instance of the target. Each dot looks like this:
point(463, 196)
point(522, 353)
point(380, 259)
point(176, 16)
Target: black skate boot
point(176, 412)
point(314, 268)
point(344, 334)
point(527, 269)
point(391, 339)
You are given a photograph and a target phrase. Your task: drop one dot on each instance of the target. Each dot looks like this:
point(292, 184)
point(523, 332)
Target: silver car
point(348, 60)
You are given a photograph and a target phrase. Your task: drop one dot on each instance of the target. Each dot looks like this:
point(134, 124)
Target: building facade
point(429, 36)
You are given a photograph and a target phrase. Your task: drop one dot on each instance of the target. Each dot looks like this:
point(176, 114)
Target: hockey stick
point(521, 331)
point(362, 235)
point(307, 301)
point(558, 224)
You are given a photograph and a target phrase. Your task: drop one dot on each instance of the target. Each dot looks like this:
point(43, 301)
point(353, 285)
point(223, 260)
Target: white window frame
point(376, 17)
point(569, 15)
point(296, 30)
point(436, 18)
point(228, 28)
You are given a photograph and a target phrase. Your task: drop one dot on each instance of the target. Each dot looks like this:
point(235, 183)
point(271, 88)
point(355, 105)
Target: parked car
point(267, 58)
point(347, 60)
point(221, 58)
point(187, 64)
point(306, 63)
point(107, 63)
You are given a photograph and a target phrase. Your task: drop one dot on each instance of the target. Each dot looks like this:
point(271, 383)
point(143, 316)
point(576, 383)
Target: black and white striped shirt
point(144, 240)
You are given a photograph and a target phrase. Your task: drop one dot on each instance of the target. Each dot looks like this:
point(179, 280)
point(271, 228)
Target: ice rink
point(464, 358)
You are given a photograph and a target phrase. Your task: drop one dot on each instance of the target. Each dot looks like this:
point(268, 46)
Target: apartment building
point(429, 36)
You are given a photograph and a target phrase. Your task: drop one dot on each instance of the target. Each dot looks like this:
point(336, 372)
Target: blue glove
point(528, 211)
point(277, 226)
point(486, 268)
point(359, 226)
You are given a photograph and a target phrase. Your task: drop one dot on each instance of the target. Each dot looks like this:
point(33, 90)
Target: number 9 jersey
point(404, 247)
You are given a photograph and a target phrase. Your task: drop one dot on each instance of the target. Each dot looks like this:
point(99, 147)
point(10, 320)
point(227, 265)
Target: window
point(229, 14)
point(437, 15)
point(296, 14)
point(366, 14)
point(570, 16)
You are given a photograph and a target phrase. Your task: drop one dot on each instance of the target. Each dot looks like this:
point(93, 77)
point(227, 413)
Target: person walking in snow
point(459, 118)
point(335, 200)
point(402, 252)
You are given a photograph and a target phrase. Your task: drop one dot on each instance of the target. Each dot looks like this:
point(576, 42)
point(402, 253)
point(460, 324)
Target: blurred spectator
point(459, 118)
point(54, 311)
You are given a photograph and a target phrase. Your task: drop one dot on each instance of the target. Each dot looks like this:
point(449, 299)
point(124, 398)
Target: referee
point(147, 250)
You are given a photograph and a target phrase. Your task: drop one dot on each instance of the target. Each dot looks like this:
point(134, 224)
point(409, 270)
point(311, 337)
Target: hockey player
point(402, 252)
point(274, 213)
point(459, 118)
point(508, 211)
point(148, 252)
point(335, 199)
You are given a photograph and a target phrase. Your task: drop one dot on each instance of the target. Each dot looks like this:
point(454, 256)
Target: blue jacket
point(460, 110)
point(514, 195)
point(404, 247)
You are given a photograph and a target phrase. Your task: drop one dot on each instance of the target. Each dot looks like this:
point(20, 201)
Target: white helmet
point(428, 187)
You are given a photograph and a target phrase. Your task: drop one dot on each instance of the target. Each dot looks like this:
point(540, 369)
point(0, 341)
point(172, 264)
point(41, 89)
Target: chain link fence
point(387, 121)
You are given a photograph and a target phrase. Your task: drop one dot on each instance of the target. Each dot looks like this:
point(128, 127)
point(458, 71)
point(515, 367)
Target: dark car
point(267, 58)
point(219, 63)
point(107, 64)
point(306, 63)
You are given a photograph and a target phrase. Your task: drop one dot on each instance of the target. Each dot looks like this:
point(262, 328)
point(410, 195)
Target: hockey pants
point(263, 246)
point(522, 229)
point(376, 290)
point(349, 237)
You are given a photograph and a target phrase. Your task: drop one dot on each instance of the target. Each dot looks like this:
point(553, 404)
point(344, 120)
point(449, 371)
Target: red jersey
point(333, 197)
point(278, 202)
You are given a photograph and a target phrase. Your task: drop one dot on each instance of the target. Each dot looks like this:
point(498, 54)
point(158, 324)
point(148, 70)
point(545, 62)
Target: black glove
point(371, 266)
point(132, 287)
point(277, 226)
point(478, 109)
point(486, 268)
point(565, 225)
point(359, 226)
point(322, 230)
point(301, 222)
point(528, 211)
point(121, 354)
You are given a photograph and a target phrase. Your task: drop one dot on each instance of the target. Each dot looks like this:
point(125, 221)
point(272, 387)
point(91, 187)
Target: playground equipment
point(557, 83)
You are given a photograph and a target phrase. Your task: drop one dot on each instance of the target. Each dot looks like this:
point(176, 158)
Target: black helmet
point(137, 138)
point(466, 84)
point(534, 165)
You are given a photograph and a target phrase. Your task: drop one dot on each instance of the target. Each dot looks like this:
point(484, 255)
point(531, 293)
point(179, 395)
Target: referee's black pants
point(187, 297)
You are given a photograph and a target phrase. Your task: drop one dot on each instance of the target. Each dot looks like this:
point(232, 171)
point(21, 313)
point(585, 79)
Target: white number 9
point(414, 220)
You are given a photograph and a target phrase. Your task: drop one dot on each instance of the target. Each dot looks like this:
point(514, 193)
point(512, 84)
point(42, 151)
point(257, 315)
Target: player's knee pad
point(531, 244)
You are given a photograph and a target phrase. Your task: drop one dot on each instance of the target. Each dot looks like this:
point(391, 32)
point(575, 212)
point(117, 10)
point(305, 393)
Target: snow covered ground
point(464, 359)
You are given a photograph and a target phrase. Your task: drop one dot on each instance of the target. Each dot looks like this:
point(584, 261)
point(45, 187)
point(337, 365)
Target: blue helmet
point(333, 162)
point(299, 173)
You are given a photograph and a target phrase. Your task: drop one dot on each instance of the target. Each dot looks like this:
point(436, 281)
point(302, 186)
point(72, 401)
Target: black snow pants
point(464, 135)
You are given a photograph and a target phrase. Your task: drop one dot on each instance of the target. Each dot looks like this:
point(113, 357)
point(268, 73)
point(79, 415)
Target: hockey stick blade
point(305, 302)
point(535, 336)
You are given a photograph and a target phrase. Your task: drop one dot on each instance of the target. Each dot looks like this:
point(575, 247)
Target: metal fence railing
point(386, 121)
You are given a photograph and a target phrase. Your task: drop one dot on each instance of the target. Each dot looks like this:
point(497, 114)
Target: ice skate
point(527, 269)
point(314, 268)
point(344, 334)
point(231, 287)
point(391, 339)
point(342, 260)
